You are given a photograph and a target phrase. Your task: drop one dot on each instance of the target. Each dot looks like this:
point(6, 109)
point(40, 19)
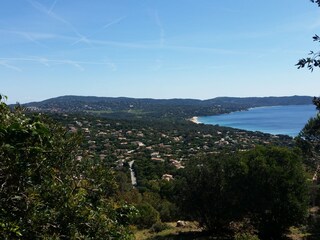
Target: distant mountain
point(138, 107)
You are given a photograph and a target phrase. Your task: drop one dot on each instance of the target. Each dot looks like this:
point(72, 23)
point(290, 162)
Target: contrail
point(114, 22)
point(104, 27)
point(9, 66)
point(52, 6)
point(49, 62)
point(51, 14)
point(30, 38)
point(159, 24)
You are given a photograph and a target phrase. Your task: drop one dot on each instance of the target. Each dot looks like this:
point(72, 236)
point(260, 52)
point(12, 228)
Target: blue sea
point(288, 120)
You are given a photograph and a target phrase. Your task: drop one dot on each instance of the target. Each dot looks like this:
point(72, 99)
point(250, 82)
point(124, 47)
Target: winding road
point(133, 177)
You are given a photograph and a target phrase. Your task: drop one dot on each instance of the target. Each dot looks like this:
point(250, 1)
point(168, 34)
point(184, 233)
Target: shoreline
point(195, 120)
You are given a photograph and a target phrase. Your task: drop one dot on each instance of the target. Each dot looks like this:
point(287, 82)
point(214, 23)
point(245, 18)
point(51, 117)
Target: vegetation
point(45, 193)
point(155, 109)
point(313, 61)
point(308, 140)
point(74, 181)
point(265, 186)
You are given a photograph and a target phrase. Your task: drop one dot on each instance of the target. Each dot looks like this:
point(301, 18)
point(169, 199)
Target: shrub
point(159, 227)
point(246, 236)
point(147, 216)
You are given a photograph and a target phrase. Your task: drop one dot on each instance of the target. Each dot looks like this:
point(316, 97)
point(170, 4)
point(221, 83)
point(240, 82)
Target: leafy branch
point(316, 1)
point(314, 60)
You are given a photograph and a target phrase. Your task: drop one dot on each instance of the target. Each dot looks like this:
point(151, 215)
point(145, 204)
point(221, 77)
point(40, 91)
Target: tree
point(147, 216)
point(208, 194)
point(277, 190)
point(309, 142)
point(313, 61)
point(316, 1)
point(266, 186)
point(45, 192)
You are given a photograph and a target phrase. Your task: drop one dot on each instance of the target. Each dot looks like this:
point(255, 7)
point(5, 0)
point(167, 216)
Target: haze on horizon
point(156, 48)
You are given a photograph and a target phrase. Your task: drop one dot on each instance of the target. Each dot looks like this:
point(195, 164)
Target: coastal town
point(164, 146)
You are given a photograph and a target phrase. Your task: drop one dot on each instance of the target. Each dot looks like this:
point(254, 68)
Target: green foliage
point(277, 190)
point(208, 194)
point(311, 131)
point(246, 236)
point(314, 59)
point(265, 185)
point(309, 142)
point(147, 216)
point(316, 1)
point(159, 227)
point(46, 193)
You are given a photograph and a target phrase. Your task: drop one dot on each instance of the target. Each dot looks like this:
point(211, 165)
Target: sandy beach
point(194, 120)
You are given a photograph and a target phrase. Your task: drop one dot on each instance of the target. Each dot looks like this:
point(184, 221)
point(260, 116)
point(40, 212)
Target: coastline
point(274, 120)
point(195, 120)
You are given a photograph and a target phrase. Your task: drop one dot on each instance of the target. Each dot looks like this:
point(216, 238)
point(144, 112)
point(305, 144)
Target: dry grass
point(173, 232)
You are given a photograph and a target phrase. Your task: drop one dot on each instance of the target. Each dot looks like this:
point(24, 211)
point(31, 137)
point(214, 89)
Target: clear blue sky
point(156, 48)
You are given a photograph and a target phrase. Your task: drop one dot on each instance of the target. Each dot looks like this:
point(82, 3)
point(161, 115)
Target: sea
point(287, 120)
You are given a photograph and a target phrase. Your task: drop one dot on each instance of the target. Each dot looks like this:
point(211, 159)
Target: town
point(159, 149)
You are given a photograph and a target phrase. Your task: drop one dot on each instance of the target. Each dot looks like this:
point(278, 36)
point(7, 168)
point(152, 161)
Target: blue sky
point(156, 48)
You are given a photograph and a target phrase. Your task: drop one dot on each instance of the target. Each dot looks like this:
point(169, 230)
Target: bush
point(267, 186)
point(147, 216)
point(246, 236)
point(159, 227)
point(45, 191)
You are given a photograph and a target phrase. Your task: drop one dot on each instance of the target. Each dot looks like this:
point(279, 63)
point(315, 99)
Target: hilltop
point(123, 107)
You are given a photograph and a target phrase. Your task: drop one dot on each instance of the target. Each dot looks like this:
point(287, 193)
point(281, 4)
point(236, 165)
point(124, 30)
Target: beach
point(194, 120)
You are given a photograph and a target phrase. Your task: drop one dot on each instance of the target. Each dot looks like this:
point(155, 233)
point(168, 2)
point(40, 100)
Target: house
point(167, 177)
point(157, 159)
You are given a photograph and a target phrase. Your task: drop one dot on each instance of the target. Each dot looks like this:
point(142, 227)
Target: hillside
point(123, 107)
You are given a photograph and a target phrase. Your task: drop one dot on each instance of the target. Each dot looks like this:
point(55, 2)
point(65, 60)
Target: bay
point(288, 120)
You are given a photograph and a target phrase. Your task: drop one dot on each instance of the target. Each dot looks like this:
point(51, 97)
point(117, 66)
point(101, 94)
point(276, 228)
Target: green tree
point(309, 142)
point(147, 216)
point(313, 61)
point(209, 193)
point(277, 191)
point(45, 192)
point(265, 185)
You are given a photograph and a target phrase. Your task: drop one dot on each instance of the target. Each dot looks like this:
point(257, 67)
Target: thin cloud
point(82, 39)
point(116, 21)
point(38, 6)
point(9, 66)
point(150, 45)
point(30, 36)
point(49, 62)
point(52, 6)
point(33, 40)
point(36, 36)
point(160, 26)
point(42, 60)
point(73, 63)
